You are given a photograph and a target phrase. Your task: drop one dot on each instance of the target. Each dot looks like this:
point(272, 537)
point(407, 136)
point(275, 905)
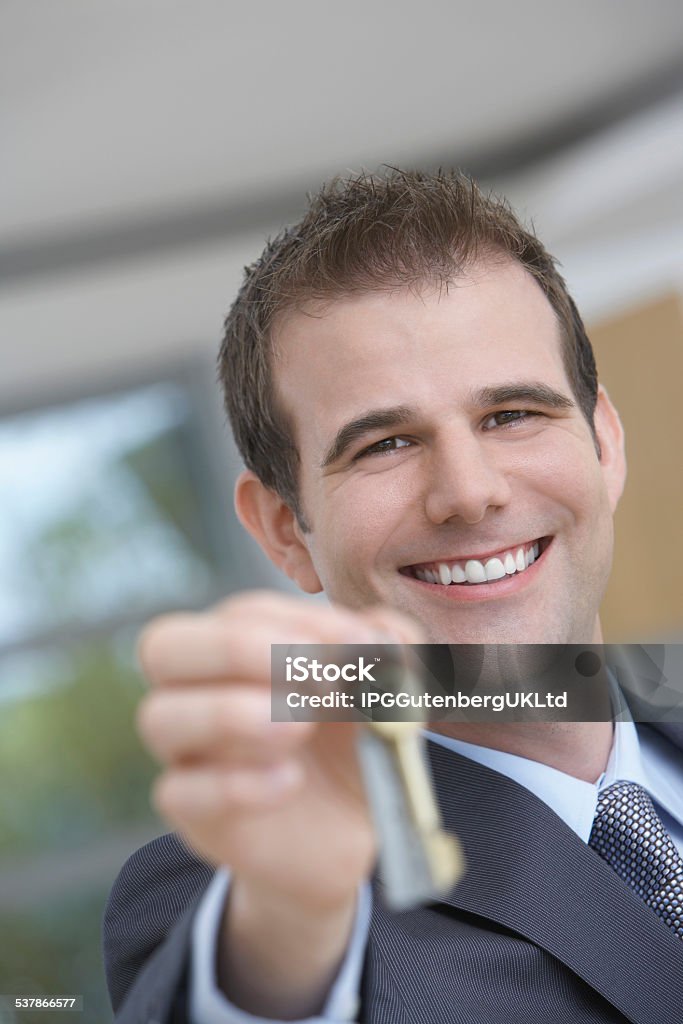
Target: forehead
point(429, 348)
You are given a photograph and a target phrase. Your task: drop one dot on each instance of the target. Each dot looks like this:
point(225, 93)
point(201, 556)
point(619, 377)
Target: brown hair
point(368, 233)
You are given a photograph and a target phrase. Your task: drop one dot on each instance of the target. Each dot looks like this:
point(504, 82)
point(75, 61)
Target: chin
point(509, 632)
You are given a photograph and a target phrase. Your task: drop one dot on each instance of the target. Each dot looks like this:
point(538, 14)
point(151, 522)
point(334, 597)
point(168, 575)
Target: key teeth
point(447, 861)
point(444, 866)
point(418, 861)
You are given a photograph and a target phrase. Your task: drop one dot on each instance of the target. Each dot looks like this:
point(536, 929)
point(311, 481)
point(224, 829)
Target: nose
point(466, 480)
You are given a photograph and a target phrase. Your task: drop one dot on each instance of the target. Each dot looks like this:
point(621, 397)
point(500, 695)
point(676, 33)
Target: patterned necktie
point(628, 833)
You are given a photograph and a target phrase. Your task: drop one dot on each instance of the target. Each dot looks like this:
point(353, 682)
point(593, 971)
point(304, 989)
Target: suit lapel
point(528, 872)
point(672, 730)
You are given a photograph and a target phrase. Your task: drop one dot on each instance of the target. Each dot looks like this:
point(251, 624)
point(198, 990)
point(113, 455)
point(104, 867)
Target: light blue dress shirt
point(645, 757)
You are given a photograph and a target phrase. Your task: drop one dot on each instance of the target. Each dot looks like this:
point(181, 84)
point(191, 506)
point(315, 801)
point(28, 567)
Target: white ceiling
point(114, 106)
point(117, 111)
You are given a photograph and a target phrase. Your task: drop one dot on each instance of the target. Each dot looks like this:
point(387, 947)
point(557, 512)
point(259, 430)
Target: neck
point(580, 749)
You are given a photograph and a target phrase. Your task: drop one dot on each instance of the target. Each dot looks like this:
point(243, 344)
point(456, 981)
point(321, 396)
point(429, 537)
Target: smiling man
point(417, 405)
point(438, 433)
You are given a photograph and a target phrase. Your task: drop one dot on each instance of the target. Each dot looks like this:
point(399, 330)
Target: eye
point(383, 447)
point(509, 418)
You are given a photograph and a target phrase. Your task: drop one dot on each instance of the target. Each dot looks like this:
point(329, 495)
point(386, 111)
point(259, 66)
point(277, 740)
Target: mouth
point(470, 571)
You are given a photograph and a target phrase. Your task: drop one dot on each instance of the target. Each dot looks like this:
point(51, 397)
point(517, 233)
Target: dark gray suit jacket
point(539, 931)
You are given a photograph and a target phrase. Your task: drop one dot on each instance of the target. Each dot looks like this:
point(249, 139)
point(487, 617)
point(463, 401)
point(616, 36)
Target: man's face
point(439, 430)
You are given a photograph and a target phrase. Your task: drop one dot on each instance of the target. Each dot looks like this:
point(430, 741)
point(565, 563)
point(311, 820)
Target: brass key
point(418, 860)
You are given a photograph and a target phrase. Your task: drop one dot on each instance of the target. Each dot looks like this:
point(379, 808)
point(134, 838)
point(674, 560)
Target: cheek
point(381, 503)
point(573, 483)
point(368, 506)
point(356, 521)
point(568, 475)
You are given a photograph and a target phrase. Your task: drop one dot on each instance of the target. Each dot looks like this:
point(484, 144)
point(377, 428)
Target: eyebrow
point(534, 393)
point(375, 419)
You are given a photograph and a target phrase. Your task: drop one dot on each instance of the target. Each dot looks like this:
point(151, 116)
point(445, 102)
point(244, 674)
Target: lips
point(475, 570)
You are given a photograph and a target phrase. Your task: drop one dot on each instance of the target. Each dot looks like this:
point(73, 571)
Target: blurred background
point(149, 148)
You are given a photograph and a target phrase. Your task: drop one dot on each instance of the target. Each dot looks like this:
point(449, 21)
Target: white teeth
point(495, 570)
point(475, 571)
point(426, 575)
point(458, 574)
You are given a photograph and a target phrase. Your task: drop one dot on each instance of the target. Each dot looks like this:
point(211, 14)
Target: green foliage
point(55, 950)
point(77, 763)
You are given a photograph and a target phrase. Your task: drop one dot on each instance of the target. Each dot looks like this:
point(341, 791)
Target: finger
point(193, 797)
point(210, 723)
point(234, 639)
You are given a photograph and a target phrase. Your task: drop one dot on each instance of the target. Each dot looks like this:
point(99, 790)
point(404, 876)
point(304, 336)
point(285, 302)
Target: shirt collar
point(571, 799)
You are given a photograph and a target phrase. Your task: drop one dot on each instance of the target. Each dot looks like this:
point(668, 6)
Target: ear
point(610, 434)
point(274, 526)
